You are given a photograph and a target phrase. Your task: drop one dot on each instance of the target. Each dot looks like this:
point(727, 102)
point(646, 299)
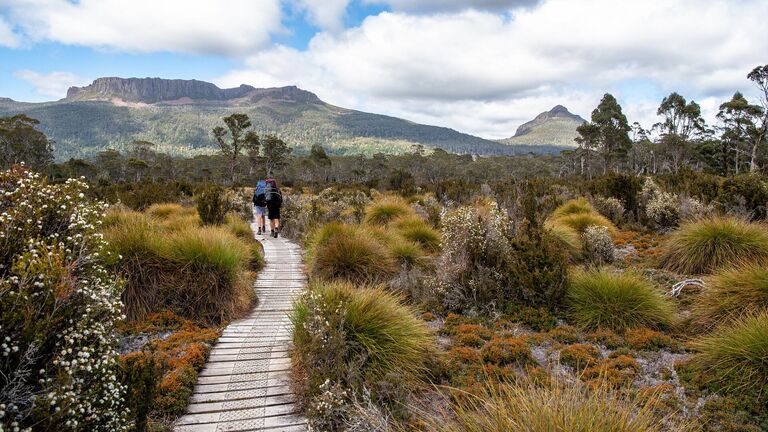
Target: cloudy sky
point(478, 66)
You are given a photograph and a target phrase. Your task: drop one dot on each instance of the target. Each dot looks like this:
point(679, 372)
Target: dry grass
point(581, 221)
point(574, 206)
point(350, 253)
point(532, 407)
point(387, 209)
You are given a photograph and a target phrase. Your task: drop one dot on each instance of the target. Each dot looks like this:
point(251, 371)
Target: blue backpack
point(259, 195)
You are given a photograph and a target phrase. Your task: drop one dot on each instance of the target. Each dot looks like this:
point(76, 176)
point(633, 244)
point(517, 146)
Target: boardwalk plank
point(245, 385)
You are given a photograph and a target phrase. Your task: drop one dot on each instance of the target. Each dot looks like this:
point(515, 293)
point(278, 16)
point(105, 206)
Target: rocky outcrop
point(158, 90)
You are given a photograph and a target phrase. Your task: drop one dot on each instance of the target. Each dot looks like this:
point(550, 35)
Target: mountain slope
point(178, 115)
point(556, 127)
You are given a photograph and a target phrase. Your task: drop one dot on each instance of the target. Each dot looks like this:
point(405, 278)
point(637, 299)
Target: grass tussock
point(387, 209)
point(706, 245)
point(350, 253)
point(357, 336)
point(239, 227)
point(574, 206)
point(581, 221)
point(169, 210)
point(568, 237)
point(600, 299)
point(733, 357)
point(200, 273)
point(417, 230)
point(532, 407)
point(731, 293)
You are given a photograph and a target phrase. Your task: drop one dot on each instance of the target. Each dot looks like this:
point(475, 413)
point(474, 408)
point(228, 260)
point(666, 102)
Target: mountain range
point(178, 116)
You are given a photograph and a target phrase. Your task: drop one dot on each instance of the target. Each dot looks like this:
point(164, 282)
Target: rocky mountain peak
point(158, 90)
point(557, 112)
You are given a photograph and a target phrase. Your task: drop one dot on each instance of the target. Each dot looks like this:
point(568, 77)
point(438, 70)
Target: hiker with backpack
point(274, 202)
point(260, 203)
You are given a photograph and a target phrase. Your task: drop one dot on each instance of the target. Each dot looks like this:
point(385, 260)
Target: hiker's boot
point(259, 233)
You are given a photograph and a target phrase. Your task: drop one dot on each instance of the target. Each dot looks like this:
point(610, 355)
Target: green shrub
point(707, 245)
point(746, 193)
point(733, 357)
point(140, 373)
point(351, 254)
point(616, 301)
point(486, 265)
point(386, 210)
point(358, 338)
point(730, 293)
point(530, 406)
point(211, 205)
point(574, 206)
point(58, 302)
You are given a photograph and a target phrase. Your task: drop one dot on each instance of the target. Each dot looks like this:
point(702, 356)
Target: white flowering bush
point(59, 305)
point(597, 245)
point(692, 209)
point(486, 264)
point(663, 210)
point(611, 208)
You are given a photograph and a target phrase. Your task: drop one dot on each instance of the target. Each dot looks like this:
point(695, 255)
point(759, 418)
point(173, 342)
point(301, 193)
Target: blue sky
point(479, 66)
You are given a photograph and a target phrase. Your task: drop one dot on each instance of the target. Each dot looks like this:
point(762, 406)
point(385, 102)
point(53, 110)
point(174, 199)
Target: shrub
point(140, 373)
point(574, 206)
point(618, 370)
point(58, 303)
point(529, 406)
point(581, 221)
point(507, 350)
point(211, 205)
point(616, 301)
point(732, 358)
point(579, 356)
point(706, 245)
point(624, 187)
point(386, 210)
point(647, 339)
point(487, 266)
point(352, 254)
point(357, 338)
point(663, 209)
point(730, 293)
point(611, 208)
point(597, 245)
point(746, 195)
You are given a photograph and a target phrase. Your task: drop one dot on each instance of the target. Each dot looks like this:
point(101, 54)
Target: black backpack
point(272, 194)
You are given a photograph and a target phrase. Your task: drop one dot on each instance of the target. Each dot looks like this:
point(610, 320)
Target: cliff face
point(156, 90)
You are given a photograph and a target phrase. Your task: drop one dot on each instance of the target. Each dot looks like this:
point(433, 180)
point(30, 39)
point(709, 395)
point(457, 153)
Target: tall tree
point(240, 139)
point(740, 132)
point(20, 141)
point(759, 135)
point(681, 124)
point(274, 153)
point(319, 159)
point(588, 140)
point(614, 142)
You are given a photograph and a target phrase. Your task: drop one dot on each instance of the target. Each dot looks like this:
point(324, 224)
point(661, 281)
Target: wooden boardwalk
point(245, 384)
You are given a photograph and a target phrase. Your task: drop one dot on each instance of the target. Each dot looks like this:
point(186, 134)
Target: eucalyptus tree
point(614, 143)
point(681, 125)
point(20, 141)
point(240, 139)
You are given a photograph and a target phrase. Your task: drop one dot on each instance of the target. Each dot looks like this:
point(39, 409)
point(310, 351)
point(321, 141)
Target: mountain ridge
point(554, 127)
point(178, 116)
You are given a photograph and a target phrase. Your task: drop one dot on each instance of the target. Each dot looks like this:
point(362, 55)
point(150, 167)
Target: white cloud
point(7, 37)
point(452, 5)
point(203, 26)
point(483, 72)
point(325, 14)
point(53, 84)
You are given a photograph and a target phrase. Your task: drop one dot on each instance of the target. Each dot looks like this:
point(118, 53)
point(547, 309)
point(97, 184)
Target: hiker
point(260, 202)
point(274, 202)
